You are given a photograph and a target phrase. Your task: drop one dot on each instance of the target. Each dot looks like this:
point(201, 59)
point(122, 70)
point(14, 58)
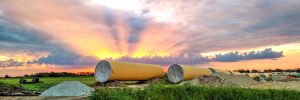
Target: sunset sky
point(73, 35)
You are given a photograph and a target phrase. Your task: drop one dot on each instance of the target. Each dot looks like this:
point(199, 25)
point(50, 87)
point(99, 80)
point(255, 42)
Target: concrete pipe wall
point(123, 71)
point(177, 73)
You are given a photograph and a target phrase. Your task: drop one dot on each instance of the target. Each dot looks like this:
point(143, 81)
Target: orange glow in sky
point(68, 35)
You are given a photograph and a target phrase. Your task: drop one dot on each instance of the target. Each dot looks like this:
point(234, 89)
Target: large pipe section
point(123, 71)
point(177, 73)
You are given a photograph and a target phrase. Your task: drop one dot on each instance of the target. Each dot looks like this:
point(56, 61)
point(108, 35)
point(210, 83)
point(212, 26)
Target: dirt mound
point(15, 90)
point(278, 77)
point(110, 84)
point(210, 80)
point(205, 80)
point(221, 79)
point(127, 83)
point(150, 81)
point(163, 80)
point(289, 85)
point(68, 88)
point(236, 80)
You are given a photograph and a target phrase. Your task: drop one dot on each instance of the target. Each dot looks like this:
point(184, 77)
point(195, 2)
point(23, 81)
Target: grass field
point(188, 92)
point(49, 81)
point(160, 91)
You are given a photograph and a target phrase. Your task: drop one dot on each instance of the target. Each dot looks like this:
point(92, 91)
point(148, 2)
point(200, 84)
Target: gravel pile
point(221, 79)
point(111, 84)
point(68, 88)
point(205, 80)
point(278, 77)
point(236, 80)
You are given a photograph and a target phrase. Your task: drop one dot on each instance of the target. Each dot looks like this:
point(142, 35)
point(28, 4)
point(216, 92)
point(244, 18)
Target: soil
point(204, 80)
point(153, 81)
point(221, 79)
point(290, 85)
point(236, 80)
point(13, 90)
point(110, 84)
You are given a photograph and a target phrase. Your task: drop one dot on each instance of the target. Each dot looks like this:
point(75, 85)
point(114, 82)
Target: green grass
point(49, 82)
point(188, 92)
point(9, 87)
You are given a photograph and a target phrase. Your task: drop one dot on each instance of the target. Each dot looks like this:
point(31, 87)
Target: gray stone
point(68, 88)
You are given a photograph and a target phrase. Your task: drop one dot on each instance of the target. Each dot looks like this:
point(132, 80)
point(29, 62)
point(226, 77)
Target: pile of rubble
point(15, 90)
point(221, 79)
point(68, 88)
point(111, 84)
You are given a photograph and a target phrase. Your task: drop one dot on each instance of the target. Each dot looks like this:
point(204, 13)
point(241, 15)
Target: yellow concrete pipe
point(177, 73)
point(123, 71)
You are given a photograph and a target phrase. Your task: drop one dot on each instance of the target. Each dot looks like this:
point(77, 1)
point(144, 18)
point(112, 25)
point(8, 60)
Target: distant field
point(49, 81)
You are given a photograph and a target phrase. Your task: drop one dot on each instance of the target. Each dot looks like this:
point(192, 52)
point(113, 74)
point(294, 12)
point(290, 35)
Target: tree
point(255, 71)
point(7, 76)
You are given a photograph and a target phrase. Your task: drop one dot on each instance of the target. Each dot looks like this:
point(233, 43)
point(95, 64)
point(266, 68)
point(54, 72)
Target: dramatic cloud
point(166, 61)
point(236, 56)
point(147, 31)
point(10, 63)
point(64, 57)
point(20, 38)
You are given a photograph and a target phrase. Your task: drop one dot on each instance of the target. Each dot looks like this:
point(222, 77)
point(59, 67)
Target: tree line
point(267, 70)
point(55, 74)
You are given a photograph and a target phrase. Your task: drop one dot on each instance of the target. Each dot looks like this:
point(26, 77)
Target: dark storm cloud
point(17, 37)
point(137, 24)
point(110, 20)
point(234, 25)
point(236, 56)
point(17, 34)
point(66, 57)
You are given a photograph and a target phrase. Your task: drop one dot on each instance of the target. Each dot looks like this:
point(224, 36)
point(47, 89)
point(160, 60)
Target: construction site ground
point(215, 80)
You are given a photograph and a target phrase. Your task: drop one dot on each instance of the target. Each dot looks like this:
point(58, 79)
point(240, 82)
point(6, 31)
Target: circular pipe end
point(103, 71)
point(175, 73)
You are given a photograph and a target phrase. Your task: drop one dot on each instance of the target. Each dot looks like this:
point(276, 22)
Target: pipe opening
point(175, 73)
point(103, 71)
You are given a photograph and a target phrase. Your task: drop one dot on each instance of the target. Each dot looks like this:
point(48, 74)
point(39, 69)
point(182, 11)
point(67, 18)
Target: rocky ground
point(15, 90)
point(221, 79)
point(290, 85)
